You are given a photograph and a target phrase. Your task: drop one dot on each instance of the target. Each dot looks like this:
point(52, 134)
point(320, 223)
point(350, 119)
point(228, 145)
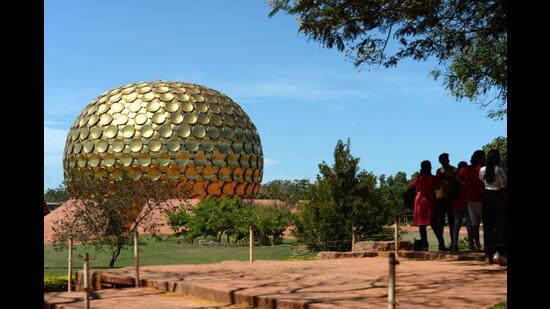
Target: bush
point(55, 283)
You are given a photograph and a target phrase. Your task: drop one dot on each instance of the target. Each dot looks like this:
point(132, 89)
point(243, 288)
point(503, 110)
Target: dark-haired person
point(494, 210)
point(446, 175)
point(460, 211)
point(475, 188)
point(424, 202)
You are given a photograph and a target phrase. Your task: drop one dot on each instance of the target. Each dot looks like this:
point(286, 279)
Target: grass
point(160, 252)
point(432, 240)
point(501, 305)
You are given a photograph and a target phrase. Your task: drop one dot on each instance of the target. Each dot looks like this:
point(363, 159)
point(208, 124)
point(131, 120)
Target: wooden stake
point(136, 256)
point(251, 246)
point(86, 284)
point(396, 234)
point(352, 237)
point(70, 266)
point(391, 282)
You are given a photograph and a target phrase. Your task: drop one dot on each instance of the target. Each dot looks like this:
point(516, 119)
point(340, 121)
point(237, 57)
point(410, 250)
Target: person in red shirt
point(460, 210)
point(424, 202)
point(475, 188)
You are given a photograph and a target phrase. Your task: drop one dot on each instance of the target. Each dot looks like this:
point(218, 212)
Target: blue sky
point(301, 96)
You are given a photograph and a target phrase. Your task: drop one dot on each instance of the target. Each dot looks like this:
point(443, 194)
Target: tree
point(500, 144)
point(468, 38)
point(289, 191)
point(342, 198)
point(394, 187)
point(108, 211)
point(57, 195)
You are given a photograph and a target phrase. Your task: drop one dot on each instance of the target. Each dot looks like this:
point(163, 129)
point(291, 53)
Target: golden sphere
point(188, 135)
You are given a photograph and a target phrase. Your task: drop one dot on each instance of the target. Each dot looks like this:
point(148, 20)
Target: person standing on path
point(446, 175)
point(424, 202)
point(494, 209)
point(460, 211)
point(469, 177)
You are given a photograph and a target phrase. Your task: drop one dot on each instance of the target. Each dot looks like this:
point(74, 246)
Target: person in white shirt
point(494, 209)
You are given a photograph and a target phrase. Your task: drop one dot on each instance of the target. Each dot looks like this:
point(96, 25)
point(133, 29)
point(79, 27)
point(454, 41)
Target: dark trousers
point(462, 215)
point(443, 207)
point(494, 222)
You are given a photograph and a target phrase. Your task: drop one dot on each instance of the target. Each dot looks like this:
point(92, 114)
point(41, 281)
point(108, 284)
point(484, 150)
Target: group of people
point(474, 194)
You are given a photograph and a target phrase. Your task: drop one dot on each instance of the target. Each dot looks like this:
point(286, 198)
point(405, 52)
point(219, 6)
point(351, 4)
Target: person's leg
point(468, 224)
point(450, 218)
point(489, 223)
point(438, 220)
point(423, 236)
point(474, 209)
point(458, 215)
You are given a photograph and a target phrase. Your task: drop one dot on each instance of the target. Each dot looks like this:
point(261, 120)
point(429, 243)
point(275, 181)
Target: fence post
point(136, 256)
point(70, 266)
point(251, 245)
point(396, 235)
point(86, 283)
point(391, 282)
point(352, 237)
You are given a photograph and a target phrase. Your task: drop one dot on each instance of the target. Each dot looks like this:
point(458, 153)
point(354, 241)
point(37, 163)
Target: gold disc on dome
point(215, 188)
point(130, 97)
point(239, 134)
point(208, 145)
point(185, 98)
point(198, 131)
point(200, 159)
point(253, 161)
point(144, 90)
point(172, 107)
point(213, 132)
point(237, 147)
point(81, 161)
point(109, 160)
point(136, 145)
point(184, 131)
point(190, 118)
point(227, 132)
point(153, 106)
point(249, 190)
point(176, 118)
point(93, 160)
point(84, 133)
point(135, 106)
point(163, 159)
point(155, 144)
point(128, 131)
point(248, 148)
point(140, 119)
point(218, 159)
point(203, 119)
point(77, 147)
point(257, 176)
point(209, 173)
point(118, 145)
point(102, 146)
point(214, 108)
point(88, 146)
point(233, 160)
point(244, 160)
point(224, 146)
point(240, 189)
point(228, 120)
point(191, 173)
point(154, 173)
point(224, 173)
point(173, 172)
point(148, 97)
point(117, 108)
point(159, 118)
point(216, 120)
point(198, 188)
point(229, 188)
point(105, 119)
point(248, 174)
point(126, 159)
point(173, 144)
point(120, 119)
point(110, 131)
point(144, 159)
point(191, 144)
point(202, 107)
point(135, 173)
point(115, 98)
point(146, 131)
point(166, 97)
point(165, 130)
point(93, 120)
point(182, 159)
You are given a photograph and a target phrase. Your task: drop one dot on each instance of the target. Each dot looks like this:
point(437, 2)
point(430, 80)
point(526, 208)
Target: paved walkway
point(340, 283)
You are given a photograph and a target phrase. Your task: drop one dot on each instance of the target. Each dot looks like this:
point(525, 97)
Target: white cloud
point(270, 162)
point(54, 143)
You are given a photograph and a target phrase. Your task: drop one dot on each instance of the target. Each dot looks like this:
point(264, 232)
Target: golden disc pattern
point(187, 135)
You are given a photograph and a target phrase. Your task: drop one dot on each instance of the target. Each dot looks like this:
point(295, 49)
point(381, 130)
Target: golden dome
point(188, 135)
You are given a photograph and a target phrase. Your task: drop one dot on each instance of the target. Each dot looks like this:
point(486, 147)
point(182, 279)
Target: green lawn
point(155, 252)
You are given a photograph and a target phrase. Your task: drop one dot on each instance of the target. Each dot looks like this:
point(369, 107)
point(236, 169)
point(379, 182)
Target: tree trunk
point(220, 237)
point(114, 256)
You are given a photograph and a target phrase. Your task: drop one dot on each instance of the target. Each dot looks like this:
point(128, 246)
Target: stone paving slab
point(335, 283)
point(140, 298)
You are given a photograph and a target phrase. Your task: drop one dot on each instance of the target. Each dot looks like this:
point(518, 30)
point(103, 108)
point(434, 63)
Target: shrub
point(55, 283)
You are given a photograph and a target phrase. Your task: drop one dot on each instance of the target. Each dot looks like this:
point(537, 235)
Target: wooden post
point(396, 234)
point(136, 256)
point(251, 246)
point(352, 237)
point(70, 266)
point(86, 283)
point(391, 282)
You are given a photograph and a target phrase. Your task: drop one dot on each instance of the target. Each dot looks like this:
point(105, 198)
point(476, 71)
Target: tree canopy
point(468, 38)
point(56, 195)
point(500, 144)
